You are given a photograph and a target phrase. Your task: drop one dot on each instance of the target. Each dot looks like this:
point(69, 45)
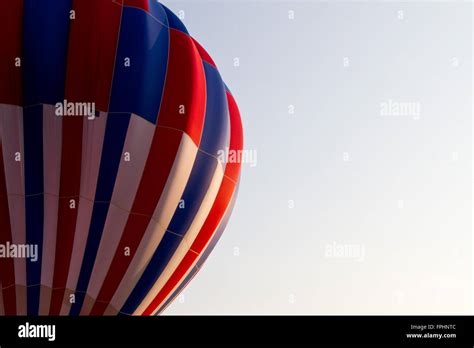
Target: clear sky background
point(393, 192)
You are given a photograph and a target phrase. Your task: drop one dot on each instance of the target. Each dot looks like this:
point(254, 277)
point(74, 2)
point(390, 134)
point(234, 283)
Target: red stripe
point(185, 86)
point(143, 4)
point(217, 212)
point(204, 55)
point(69, 189)
point(93, 40)
point(232, 169)
point(11, 31)
point(7, 270)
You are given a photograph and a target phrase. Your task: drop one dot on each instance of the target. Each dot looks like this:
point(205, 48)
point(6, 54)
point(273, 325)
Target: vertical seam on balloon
point(59, 131)
point(166, 76)
point(205, 96)
point(115, 56)
point(9, 230)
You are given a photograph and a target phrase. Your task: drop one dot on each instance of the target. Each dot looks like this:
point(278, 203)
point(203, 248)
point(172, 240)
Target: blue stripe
point(34, 200)
point(115, 134)
point(158, 12)
point(138, 88)
point(114, 140)
point(216, 132)
point(45, 48)
point(205, 254)
point(45, 43)
point(173, 21)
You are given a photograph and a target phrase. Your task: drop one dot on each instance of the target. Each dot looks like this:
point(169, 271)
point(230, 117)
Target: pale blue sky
point(396, 189)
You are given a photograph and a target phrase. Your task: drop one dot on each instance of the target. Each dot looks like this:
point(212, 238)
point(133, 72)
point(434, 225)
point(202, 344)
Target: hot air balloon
point(113, 120)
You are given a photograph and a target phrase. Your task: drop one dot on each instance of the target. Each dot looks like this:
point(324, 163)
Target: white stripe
point(92, 142)
point(52, 135)
point(12, 134)
point(2, 306)
point(164, 211)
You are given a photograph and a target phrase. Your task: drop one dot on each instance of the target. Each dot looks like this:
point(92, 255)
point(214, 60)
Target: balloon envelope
point(115, 134)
